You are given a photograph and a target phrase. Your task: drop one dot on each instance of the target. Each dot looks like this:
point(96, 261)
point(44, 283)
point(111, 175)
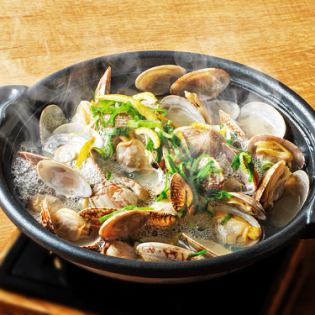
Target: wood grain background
point(40, 37)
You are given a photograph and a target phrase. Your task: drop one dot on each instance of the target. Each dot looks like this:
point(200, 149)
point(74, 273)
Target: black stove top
point(30, 269)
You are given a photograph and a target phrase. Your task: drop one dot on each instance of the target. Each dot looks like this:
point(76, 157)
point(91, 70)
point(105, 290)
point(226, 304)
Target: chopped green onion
point(201, 252)
point(150, 145)
point(216, 194)
point(226, 219)
point(127, 208)
point(113, 108)
point(144, 123)
point(108, 175)
point(244, 161)
point(163, 194)
point(170, 165)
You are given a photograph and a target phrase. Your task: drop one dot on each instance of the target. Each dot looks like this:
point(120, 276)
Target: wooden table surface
point(40, 37)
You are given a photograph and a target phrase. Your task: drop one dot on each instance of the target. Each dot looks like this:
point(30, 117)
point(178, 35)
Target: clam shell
point(69, 225)
point(64, 180)
point(202, 140)
point(298, 160)
point(159, 252)
point(213, 248)
point(92, 215)
point(223, 230)
point(132, 154)
point(247, 205)
point(159, 79)
point(123, 225)
point(226, 119)
point(295, 193)
point(112, 196)
point(121, 250)
point(180, 111)
point(181, 194)
point(103, 86)
point(51, 117)
point(258, 118)
point(271, 186)
point(208, 82)
point(31, 157)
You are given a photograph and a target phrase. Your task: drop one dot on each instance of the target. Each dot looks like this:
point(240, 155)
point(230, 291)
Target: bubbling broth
point(171, 171)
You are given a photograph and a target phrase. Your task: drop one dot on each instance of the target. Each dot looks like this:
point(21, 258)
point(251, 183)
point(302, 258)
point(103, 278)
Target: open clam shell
point(208, 82)
point(213, 248)
point(258, 118)
point(275, 149)
point(180, 111)
point(295, 192)
point(247, 205)
point(103, 86)
point(64, 180)
point(236, 228)
point(159, 79)
point(51, 117)
point(272, 184)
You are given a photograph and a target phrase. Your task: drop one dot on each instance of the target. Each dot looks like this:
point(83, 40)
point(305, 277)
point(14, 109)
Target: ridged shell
point(208, 82)
point(298, 159)
point(159, 79)
point(181, 194)
point(51, 117)
point(159, 252)
point(64, 180)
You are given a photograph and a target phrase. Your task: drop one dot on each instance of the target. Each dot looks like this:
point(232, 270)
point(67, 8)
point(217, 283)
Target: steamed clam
point(185, 177)
point(159, 79)
point(64, 180)
point(51, 117)
point(274, 149)
point(257, 118)
point(180, 111)
point(235, 228)
point(120, 249)
point(209, 82)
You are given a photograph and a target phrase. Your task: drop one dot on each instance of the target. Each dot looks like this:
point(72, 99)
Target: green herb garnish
point(144, 123)
point(217, 194)
point(244, 161)
point(150, 145)
point(202, 252)
point(108, 175)
point(226, 219)
point(127, 208)
point(113, 108)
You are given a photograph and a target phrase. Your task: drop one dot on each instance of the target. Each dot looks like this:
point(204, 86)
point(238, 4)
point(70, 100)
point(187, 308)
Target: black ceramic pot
point(20, 106)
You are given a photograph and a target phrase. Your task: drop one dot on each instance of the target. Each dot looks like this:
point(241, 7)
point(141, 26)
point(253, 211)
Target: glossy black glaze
point(19, 113)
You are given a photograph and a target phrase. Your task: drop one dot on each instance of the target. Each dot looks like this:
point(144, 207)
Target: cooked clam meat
point(178, 171)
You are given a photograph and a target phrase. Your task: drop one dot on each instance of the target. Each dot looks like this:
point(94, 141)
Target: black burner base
point(30, 269)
